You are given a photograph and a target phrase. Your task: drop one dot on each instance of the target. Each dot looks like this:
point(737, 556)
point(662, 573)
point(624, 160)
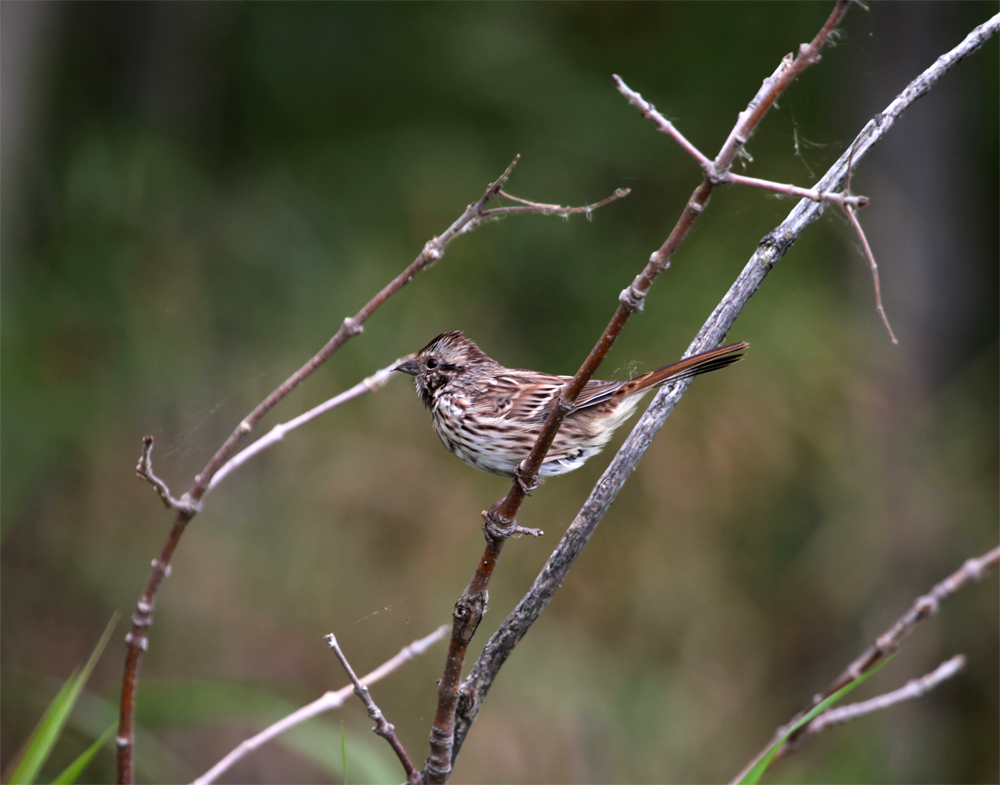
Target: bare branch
point(144, 471)
point(874, 268)
point(770, 251)
point(662, 123)
point(794, 190)
point(923, 607)
point(886, 645)
point(382, 727)
point(914, 688)
point(137, 640)
point(552, 209)
point(724, 176)
point(367, 385)
point(326, 702)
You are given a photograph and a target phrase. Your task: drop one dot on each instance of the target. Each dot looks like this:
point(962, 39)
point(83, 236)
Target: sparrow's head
point(444, 359)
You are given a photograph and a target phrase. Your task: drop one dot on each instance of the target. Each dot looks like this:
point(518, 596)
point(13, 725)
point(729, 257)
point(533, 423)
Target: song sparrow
point(490, 416)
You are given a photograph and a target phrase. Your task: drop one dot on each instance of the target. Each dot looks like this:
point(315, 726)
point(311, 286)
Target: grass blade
point(72, 772)
point(43, 738)
point(753, 776)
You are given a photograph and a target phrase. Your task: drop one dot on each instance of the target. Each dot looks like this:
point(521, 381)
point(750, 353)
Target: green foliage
point(43, 739)
point(753, 776)
point(72, 772)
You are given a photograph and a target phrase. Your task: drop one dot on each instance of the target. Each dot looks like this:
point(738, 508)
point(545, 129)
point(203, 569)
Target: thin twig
point(326, 702)
point(144, 471)
point(719, 176)
point(770, 251)
point(383, 727)
point(551, 209)
point(914, 688)
point(278, 432)
point(501, 521)
point(794, 190)
point(137, 640)
point(874, 267)
point(662, 123)
point(885, 646)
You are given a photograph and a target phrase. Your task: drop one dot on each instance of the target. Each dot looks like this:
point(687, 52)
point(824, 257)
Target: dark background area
point(195, 195)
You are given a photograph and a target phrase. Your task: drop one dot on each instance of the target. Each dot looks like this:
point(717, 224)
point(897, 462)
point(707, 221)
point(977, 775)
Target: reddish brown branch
point(137, 641)
point(885, 646)
point(500, 522)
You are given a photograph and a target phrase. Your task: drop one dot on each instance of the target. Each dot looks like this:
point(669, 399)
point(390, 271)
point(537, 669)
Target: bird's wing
point(528, 396)
point(594, 393)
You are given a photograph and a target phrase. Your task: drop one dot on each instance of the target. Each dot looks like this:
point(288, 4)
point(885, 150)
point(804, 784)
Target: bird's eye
point(432, 363)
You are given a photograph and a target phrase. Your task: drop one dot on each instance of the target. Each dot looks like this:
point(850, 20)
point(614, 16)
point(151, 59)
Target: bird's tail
point(685, 369)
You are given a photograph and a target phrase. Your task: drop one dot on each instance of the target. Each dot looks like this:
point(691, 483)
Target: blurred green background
point(194, 197)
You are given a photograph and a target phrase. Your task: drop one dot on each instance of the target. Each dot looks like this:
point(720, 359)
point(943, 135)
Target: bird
point(490, 416)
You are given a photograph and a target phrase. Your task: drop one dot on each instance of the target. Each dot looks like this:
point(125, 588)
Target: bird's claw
point(527, 484)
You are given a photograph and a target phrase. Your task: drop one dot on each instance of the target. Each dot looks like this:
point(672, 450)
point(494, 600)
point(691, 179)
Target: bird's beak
point(409, 366)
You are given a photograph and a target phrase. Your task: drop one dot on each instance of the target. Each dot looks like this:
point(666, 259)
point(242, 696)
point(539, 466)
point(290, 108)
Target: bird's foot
point(527, 483)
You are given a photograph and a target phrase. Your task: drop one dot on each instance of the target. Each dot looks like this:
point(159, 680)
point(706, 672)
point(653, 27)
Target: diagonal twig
point(647, 110)
point(328, 701)
point(383, 727)
point(874, 268)
point(367, 385)
point(914, 688)
point(886, 645)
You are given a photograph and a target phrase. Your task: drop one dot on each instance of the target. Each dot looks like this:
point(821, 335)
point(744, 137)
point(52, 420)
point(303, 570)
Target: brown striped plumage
point(490, 416)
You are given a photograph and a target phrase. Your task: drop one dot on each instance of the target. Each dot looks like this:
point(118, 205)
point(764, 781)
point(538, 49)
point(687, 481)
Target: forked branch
point(770, 251)
point(885, 646)
point(383, 727)
point(326, 702)
point(137, 640)
point(913, 689)
point(500, 521)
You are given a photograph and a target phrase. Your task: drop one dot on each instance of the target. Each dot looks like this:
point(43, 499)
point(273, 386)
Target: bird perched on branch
point(490, 416)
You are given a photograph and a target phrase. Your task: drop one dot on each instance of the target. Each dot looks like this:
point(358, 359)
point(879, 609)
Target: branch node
point(352, 326)
point(496, 526)
point(631, 298)
point(156, 564)
point(926, 606)
point(382, 727)
point(432, 251)
point(469, 612)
